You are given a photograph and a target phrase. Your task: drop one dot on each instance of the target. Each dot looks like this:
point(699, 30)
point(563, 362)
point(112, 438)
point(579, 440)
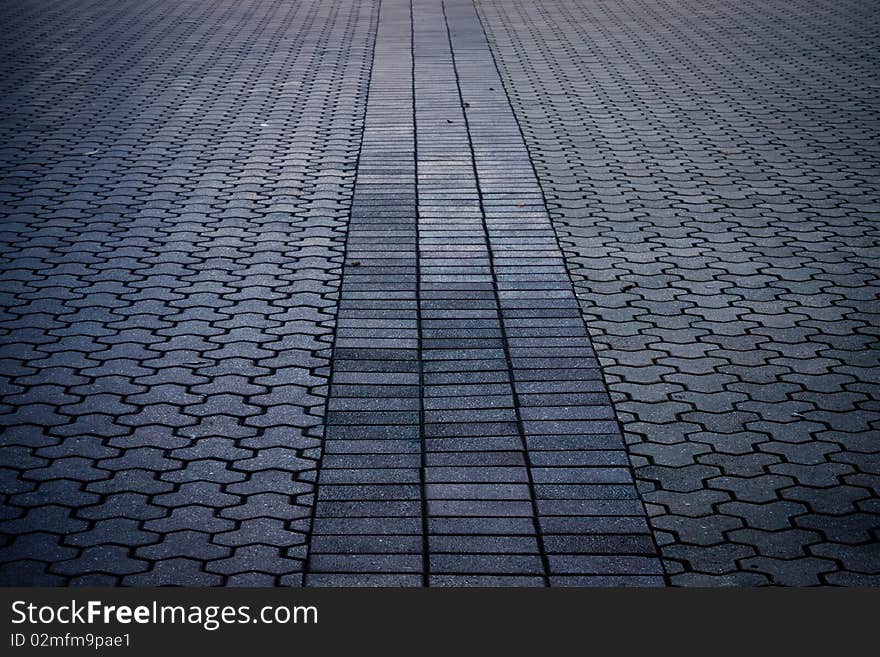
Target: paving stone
point(460, 293)
point(717, 248)
point(182, 233)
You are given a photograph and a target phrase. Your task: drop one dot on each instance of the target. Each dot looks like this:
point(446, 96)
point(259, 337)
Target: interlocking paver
point(710, 168)
point(176, 181)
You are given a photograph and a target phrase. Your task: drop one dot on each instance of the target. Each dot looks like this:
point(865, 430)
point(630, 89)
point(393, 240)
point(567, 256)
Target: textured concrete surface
point(308, 292)
point(712, 171)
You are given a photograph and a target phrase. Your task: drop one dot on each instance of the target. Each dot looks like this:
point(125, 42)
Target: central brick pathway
point(469, 438)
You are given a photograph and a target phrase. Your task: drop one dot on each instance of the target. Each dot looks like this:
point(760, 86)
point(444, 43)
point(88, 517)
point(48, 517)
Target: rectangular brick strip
point(469, 436)
point(368, 514)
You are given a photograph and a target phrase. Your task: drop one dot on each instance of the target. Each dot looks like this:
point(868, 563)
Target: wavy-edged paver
point(711, 170)
point(176, 184)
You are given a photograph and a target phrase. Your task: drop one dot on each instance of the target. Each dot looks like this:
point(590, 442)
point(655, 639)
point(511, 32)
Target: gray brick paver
point(493, 321)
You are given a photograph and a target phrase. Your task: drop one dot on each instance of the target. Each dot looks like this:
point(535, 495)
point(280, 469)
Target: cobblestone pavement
point(285, 296)
point(177, 176)
point(711, 168)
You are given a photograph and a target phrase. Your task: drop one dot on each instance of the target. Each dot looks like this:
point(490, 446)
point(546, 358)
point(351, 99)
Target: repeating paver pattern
point(470, 439)
point(178, 180)
point(176, 184)
point(711, 169)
